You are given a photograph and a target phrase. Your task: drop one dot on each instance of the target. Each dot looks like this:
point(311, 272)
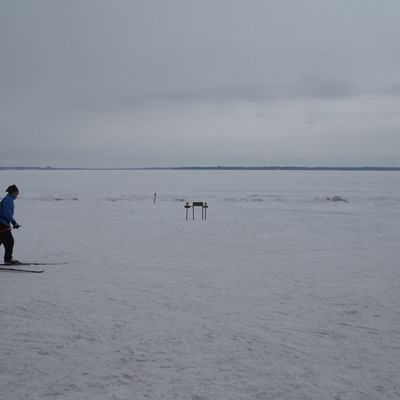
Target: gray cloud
point(111, 76)
point(251, 93)
point(393, 89)
point(319, 89)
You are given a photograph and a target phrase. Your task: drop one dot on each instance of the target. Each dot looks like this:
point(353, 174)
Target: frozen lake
point(280, 294)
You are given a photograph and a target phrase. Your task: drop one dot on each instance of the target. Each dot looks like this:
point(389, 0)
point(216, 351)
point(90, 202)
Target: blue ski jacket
point(7, 211)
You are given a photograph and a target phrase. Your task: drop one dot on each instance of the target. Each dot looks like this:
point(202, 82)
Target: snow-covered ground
point(280, 294)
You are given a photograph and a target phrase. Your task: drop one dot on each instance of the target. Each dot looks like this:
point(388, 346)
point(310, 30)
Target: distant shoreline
point(217, 168)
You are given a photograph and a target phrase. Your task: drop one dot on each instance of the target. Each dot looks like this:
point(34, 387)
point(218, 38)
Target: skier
point(6, 220)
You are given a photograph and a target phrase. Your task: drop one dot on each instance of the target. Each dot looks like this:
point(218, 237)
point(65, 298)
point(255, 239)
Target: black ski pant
point(7, 240)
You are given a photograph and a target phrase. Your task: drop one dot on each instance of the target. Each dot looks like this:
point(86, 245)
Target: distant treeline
point(289, 168)
point(217, 168)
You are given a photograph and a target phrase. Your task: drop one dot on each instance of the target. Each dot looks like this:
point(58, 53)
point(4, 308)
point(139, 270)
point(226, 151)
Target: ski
point(38, 263)
point(21, 270)
point(45, 263)
point(31, 263)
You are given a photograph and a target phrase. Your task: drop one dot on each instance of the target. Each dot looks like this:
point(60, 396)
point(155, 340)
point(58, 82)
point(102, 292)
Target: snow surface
point(280, 294)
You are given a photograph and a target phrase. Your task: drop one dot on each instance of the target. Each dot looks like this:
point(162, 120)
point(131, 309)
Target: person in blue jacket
point(6, 221)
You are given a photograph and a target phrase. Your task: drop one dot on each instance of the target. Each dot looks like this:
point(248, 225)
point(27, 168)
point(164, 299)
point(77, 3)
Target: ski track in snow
point(278, 295)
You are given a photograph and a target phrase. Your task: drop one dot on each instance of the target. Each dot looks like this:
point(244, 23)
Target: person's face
point(15, 194)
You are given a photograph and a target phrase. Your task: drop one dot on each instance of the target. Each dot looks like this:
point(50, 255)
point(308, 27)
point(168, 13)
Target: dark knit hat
point(12, 189)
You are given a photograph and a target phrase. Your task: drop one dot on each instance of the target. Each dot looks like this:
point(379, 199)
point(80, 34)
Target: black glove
point(16, 225)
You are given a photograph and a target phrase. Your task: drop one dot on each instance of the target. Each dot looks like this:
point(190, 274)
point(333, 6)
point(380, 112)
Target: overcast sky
point(129, 83)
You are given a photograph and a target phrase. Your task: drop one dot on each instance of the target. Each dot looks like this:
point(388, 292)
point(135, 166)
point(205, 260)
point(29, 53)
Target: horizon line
point(207, 168)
